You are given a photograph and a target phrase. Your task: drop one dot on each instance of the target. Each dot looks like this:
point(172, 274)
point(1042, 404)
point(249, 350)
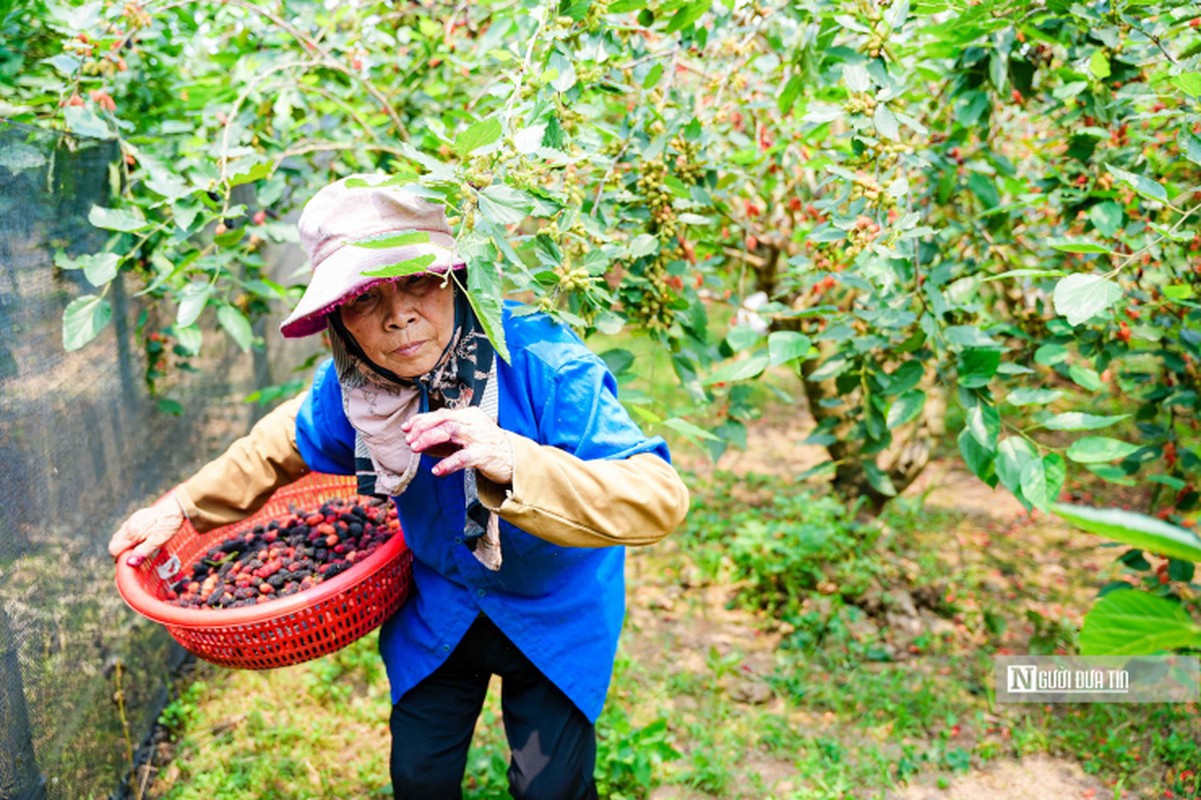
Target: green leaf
point(688, 14)
point(1099, 64)
point(1144, 186)
point(478, 135)
point(1188, 82)
point(191, 302)
point(485, 294)
point(1106, 217)
point(1079, 421)
point(786, 346)
point(410, 266)
point(886, 123)
point(236, 325)
point(83, 121)
point(742, 337)
point(165, 183)
point(1033, 397)
point(978, 366)
point(905, 408)
point(984, 424)
point(390, 240)
point(652, 76)
point(100, 268)
point(905, 377)
point(688, 429)
point(1076, 246)
point(879, 479)
point(117, 219)
point(251, 170)
point(1178, 291)
point(1133, 623)
point(1081, 297)
point(1190, 145)
point(504, 205)
point(1026, 273)
point(739, 370)
point(789, 94)
point(1085, 377)
point(83, 320)
point(189, 338)
point(1042, 479)
point(984, 188)
point(1151, 534)
point(978, 459)
point(1098, 449)
point(1013, 454)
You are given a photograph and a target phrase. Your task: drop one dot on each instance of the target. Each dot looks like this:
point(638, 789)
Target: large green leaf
point(1042, 479)
point(1079, 421)
point(1151, 534)
point(905, 408)
point(1082, 297)
point(1097, 449)
point(1144, 186)
point(1033, 397)
point(192, 300)
point(1013, 454)
point(485, 295)
point(389, 240)
point(236, 325)
point(410, 266)
point(688, 429)
point(978, 459)
point(1077, 246)
point(504, 205)
point(786, 346)
point(739, 370)
point(689, 13)
point(479, 134)
point(1133, 623)
point(83, 320)
point(117, 219)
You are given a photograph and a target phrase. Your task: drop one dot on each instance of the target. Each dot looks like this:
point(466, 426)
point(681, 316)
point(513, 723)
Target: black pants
point(553, 744)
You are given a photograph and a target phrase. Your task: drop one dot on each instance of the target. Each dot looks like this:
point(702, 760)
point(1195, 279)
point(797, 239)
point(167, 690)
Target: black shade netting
point(82, 444)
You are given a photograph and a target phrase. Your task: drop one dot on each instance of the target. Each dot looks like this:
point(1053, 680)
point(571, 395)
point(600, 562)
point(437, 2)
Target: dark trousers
point(553, 744)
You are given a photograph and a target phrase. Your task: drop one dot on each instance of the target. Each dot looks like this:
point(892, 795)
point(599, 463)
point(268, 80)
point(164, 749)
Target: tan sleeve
point(568, 501)
point(236, 483)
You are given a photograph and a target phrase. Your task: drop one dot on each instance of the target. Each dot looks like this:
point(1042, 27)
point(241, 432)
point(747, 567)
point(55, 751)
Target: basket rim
point(161, 611)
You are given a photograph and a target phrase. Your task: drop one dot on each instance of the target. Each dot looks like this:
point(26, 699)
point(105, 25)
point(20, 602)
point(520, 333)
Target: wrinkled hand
point(148, 528)
point(482, 444)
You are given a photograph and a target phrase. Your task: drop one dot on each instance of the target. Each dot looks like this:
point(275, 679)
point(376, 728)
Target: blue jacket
point(563, 607)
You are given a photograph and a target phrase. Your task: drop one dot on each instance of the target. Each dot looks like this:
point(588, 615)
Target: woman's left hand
point(483, 445)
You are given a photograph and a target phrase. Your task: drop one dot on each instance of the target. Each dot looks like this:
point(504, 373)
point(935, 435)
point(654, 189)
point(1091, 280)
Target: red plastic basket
point(288, 630)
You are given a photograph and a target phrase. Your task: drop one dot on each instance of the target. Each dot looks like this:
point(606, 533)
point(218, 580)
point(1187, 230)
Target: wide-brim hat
point(359, 225)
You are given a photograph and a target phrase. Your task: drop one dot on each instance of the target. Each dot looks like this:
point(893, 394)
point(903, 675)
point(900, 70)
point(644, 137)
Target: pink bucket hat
point(352, 210)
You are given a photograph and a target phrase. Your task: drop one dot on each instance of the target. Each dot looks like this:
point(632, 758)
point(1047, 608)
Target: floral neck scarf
point(377, 401)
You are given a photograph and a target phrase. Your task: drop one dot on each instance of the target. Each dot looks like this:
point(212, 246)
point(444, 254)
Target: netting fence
point(82, 678)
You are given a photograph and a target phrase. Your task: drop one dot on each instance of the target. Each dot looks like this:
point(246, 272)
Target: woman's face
point(403, 325)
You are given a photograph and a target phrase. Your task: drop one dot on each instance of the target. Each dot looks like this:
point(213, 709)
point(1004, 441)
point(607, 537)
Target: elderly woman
point(517, 485)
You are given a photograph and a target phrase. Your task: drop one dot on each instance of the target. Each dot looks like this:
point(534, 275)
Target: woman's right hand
point(147, 529)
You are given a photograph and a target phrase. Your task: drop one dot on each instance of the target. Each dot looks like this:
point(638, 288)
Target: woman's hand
point(482, 444)
point(147, 529)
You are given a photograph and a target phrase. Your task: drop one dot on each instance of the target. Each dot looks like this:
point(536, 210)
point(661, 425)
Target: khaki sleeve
point(568, 501)
point(238, 482)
